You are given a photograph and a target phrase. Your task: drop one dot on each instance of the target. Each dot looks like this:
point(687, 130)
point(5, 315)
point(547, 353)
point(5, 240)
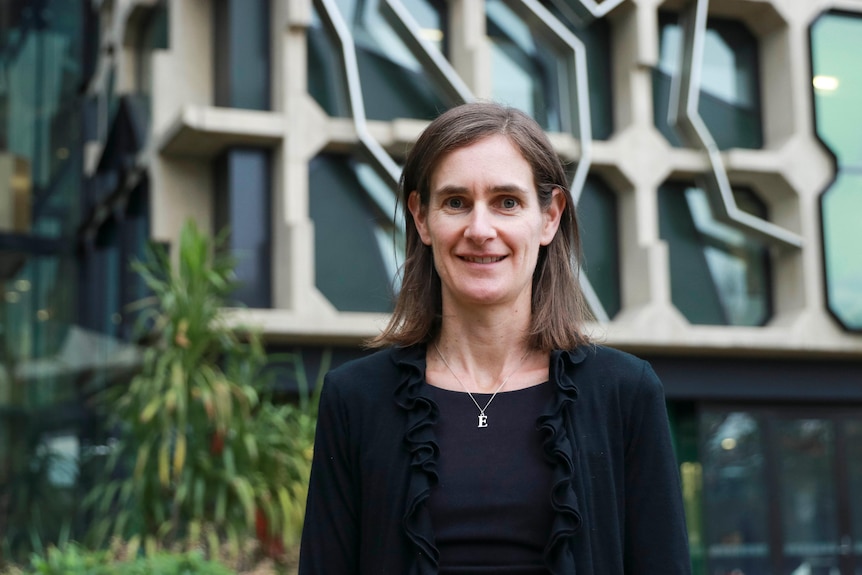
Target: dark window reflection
point(242, 205)
point(40, 147)
point(853, 432)
point(735, 497)
point(808, 500)
point(597, 218)
point(394, 84)
point(242, 53)
point(527, 71)
point(535, 76)
point(355, 256)
point(719, 276)
point(729, 95)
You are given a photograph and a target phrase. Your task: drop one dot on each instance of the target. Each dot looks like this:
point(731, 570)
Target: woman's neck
point(482, 350)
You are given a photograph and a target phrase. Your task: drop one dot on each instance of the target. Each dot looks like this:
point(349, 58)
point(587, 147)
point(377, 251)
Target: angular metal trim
point(683, 115)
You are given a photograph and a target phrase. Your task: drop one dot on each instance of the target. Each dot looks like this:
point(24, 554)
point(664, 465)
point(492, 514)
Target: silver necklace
point(483, 419)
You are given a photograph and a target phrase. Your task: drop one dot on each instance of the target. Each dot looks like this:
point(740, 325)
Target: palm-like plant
point(203, 455)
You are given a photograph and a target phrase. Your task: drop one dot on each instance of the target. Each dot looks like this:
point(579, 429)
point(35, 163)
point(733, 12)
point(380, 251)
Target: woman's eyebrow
point(497, 189)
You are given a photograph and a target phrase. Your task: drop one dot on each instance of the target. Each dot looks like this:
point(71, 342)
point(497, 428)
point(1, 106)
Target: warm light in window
point(43, 315)
point(432, 34)
point(22, 285)
point(728, 443)
point(825, 83)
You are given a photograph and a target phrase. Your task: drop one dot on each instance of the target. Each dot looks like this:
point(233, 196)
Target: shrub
point(203, 457)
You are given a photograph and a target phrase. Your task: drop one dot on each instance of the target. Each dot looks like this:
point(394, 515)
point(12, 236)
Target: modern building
point(715, 151)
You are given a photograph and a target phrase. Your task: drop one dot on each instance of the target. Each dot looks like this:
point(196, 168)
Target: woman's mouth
point(483, 259)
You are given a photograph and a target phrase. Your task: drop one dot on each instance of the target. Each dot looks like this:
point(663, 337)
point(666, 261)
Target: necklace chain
point(483, 419)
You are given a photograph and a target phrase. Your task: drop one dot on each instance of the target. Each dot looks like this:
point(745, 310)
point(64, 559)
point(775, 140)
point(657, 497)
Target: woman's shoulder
point(378, 369)
point(598, 356)
point(611, 365)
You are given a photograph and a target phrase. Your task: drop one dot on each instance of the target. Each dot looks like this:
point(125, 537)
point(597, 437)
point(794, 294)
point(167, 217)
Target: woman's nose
point(481, 225)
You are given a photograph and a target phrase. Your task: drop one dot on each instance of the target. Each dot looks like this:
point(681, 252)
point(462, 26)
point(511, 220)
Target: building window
point(719, 276)
point(597, 219)
point(242, 54)
point(353, 210)
point(526, 69)
point(773, 491)
point(394, 84)
point(729, 96)
point(242, 206)
point(836, 40)
point(734, 495)
point(533, 75)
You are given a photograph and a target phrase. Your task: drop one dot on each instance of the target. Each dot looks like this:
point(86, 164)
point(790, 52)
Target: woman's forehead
point(493, 161)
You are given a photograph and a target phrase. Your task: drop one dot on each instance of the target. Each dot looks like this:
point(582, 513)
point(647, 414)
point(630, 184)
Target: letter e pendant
point(483, 420)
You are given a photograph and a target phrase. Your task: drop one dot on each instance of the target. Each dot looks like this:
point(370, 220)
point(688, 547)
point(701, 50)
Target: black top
point(491, 509)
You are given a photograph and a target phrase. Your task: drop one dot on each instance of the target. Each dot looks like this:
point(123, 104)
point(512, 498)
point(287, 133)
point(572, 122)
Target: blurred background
point(715, 154)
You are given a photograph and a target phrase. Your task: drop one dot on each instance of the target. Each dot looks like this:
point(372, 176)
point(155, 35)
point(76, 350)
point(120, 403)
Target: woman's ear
point(553, 215)
point(420, 216)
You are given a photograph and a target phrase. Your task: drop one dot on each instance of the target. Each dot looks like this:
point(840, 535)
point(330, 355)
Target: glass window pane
point(718, 275)
point(836, 39)
point(597, 218)
point(243, 206)
point(853, 432)
point(326, 79)
point(596, 36)
point(40, 139)
point(355, 256)
point(841, 207)
point(735, 496)
point(527, 73)
point(242, 53)
point(808, 503)
point(729, 98)
point(394, 85)
point(835, 43)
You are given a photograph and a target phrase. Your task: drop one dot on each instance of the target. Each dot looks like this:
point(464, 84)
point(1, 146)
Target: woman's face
point(484, 224)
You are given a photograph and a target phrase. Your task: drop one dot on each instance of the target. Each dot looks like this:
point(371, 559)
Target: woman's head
point(557, 303)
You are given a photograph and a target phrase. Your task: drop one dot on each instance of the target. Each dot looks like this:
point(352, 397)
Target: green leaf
point(151, 408)
point(229, 462)
point(250, 445)
point(221, 503)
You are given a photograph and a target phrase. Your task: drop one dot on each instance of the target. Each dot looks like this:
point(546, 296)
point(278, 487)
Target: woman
point(489, 435)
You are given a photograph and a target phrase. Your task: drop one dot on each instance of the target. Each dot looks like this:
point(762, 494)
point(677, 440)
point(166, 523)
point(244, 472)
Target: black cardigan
point(616, 495)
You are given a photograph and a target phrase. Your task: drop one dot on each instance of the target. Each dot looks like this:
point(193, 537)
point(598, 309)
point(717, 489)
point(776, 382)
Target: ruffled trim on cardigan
point(421, 441)
point(561, 452)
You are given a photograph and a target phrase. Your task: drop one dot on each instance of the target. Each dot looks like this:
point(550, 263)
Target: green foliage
point(191, 563)
point(71, 559)
point(204, 457)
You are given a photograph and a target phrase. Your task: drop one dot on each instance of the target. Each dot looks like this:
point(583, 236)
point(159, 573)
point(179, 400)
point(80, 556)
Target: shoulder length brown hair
point(558, 307)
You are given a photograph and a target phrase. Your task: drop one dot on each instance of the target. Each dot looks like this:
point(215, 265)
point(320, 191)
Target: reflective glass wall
point(65, 242)
point(774, 490)
point(40, 187)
